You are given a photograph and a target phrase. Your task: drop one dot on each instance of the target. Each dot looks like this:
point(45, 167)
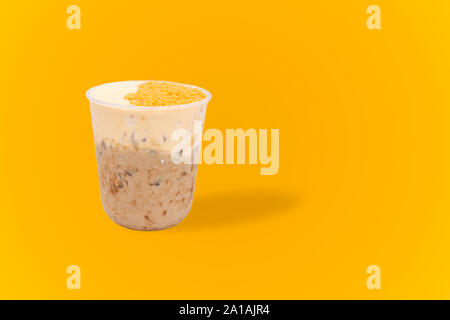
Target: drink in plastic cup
point(141, 186)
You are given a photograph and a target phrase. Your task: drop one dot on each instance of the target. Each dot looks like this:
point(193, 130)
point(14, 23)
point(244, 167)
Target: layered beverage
point(141, 186)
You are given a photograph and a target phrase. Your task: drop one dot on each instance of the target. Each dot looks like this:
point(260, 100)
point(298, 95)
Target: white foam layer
point(114, 92)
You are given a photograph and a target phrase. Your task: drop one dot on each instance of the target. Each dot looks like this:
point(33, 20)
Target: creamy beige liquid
point(142, 188)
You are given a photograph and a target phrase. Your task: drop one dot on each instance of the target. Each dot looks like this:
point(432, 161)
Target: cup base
point(144, 228)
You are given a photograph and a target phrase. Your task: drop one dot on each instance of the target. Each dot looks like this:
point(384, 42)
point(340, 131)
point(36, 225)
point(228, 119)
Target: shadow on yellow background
point(213, 211)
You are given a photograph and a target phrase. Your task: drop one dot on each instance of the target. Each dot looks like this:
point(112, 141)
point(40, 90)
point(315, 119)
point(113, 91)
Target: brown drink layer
point(142, 188)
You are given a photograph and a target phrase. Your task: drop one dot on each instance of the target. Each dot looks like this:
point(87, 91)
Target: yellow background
point(364, 149)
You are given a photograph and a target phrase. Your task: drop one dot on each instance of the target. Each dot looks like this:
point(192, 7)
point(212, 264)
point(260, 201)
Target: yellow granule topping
point(156, 93)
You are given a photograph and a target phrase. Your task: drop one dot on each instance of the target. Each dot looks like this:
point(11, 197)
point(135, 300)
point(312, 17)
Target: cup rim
point(133, 107)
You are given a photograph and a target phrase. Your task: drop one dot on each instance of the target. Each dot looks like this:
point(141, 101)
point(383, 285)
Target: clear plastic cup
point(141, 186)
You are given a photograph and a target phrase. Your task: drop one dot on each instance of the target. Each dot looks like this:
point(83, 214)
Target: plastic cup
point(141, 187)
